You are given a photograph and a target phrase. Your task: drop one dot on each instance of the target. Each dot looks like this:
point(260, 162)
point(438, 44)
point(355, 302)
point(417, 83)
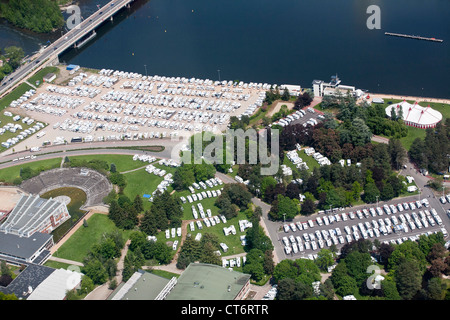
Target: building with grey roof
point(21, 250)
point(34, 214)
point(201, 281)
point(28, 279)
point(143, 285)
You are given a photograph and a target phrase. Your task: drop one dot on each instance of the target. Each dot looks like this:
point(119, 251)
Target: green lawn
point(141, 182)
point(9, 174)
point(309, 160)
point(56, 264)
point(232, 241)
point(207, 203)
point(14, 95)
point(413, 132)
point(79, 244)
point(41, 74)
point(122, 162)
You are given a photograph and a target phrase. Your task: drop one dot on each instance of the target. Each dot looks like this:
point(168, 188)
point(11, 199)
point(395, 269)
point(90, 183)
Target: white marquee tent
point(415, 115)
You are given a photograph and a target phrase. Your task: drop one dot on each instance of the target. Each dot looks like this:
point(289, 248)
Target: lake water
point(278, 42)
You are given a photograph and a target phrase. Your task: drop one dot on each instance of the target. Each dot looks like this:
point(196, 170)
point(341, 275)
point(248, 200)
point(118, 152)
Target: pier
point(412, 37)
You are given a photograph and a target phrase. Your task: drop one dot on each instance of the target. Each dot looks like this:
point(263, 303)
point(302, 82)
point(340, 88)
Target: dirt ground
point(9, 196)
point(277, 107)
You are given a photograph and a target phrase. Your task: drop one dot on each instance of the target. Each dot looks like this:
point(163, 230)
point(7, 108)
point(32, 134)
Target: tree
point(371, 193)
point(308, 207)
point(325, 259)
point(436, 289)
point(346, 286)
point(138, 204)
point(283, 208)
point(389, 290)
point(408, 278)
point(357, 264)
point(397, 153)
point(303, 100)
point(407, 251)
point(113, 168)
point(96, 271)
point(286, 95)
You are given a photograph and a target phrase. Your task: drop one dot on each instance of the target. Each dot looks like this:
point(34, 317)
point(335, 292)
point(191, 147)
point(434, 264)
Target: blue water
point(279, 42)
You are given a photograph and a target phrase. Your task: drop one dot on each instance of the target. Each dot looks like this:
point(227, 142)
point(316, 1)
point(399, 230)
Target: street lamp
point(377, 201)
point(284, 217)
point(145, 66)
point(218, 71)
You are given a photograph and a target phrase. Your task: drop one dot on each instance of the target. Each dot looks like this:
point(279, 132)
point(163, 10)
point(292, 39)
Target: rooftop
point(208, 282)
point(31, 276)
point(22, 248)
point(29, 214)
point(416, 113)
point(142, 285)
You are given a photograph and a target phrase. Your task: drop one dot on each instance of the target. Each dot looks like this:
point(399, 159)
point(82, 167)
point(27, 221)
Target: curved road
point(108, 147)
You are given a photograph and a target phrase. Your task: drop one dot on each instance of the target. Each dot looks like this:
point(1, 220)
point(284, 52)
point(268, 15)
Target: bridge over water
point(77, 36)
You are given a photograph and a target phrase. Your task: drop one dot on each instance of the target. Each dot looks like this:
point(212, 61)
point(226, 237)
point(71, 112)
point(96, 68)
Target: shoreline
point(406, 97)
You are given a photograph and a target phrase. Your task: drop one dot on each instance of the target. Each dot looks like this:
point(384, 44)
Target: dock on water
point(412, 37)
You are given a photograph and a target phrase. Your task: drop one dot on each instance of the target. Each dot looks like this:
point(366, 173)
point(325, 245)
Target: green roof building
point(202, 281)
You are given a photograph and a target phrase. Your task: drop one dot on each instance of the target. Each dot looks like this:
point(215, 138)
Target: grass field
point(8, 134)
point(14, 95)
point(310, 162)
point(41, 74)
point(413, 132)
point(9, 174)
point(122, 162)
point(232, 241)
point(56, 264)
point(141, 182)
point(79, 244)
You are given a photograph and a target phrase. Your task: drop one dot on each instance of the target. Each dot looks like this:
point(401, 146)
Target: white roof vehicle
point(319, 221)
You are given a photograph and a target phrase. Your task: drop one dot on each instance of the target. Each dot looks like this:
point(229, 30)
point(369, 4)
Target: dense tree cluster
point(202, 251)
point(414, 269)
point(12, 58)
point(100, 263)
point(259, 247)
point(234, 198)
point(124, 212)
point(373, 117)
point(423, 151)
point(294, 279)
point(166, 211)
point(142, 249)
point(303, 100)
point(186, 174)
point(36, 15)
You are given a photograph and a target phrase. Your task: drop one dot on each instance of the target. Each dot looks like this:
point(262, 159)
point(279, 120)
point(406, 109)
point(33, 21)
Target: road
point(107, 147)
point(63, 43)
point(277, 232)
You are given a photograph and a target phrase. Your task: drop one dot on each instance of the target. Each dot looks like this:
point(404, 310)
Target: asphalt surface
point(62, 44)
point(277, 232)
point(108, 147)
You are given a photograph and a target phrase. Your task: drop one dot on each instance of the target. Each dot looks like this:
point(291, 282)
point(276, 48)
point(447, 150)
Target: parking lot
point(390, 223)
point(117, 105)
point(305, 117)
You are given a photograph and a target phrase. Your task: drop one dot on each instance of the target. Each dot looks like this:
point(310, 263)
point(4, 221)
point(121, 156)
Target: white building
point(332, 88)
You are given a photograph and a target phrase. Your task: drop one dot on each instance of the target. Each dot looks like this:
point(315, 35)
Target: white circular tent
point(415, 115)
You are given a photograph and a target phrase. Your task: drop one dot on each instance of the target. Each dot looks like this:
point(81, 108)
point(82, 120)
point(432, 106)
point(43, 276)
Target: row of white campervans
point(201, 195)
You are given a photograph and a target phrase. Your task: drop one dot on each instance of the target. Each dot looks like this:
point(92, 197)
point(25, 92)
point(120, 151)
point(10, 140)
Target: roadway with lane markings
point(63, 43)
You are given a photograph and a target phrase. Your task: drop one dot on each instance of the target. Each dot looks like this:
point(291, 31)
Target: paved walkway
point(67, 261)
